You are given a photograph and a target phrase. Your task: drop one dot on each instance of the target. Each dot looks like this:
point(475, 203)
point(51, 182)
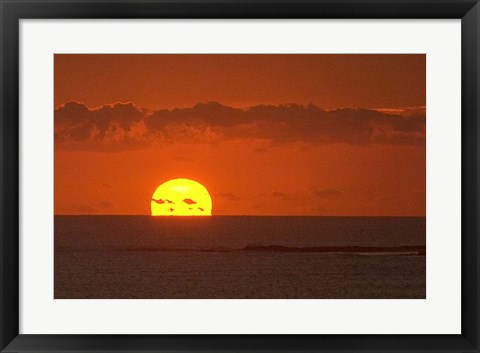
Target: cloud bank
point(124, 126)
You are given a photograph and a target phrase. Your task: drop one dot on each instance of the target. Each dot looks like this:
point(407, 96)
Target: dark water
point(239, 257)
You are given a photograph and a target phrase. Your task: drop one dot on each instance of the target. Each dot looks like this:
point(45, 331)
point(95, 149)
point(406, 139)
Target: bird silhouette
point(189, 201)
point(169, 201)
point(201, 209)
point(171, 209)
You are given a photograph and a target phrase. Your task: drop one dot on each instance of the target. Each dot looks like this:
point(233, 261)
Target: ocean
point(239, 257)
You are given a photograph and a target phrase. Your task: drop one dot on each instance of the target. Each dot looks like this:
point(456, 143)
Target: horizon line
point(240, 215)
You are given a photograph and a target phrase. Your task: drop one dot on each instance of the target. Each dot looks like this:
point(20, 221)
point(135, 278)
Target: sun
point(181, 197)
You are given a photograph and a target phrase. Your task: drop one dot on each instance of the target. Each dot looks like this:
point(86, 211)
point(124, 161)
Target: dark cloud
point(106, 204)
point(227, 195)
point(119, 125)
point(189, 201)
point(279, 195)
point(85, 209)
point(328, 193)
point(125, 126)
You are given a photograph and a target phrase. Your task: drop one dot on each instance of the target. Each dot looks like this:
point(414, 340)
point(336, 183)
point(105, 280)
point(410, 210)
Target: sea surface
point(242, 257)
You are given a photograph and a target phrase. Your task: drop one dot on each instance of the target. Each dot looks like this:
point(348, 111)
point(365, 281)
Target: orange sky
point(266, 134)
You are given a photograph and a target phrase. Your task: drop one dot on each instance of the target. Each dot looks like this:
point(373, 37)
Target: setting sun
point(181, 197)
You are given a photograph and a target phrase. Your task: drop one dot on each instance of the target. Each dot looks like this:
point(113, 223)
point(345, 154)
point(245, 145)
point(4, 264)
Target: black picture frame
point(14, 10)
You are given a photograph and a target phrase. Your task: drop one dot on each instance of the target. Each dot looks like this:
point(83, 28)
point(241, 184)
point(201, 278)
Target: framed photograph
point(237, 176)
